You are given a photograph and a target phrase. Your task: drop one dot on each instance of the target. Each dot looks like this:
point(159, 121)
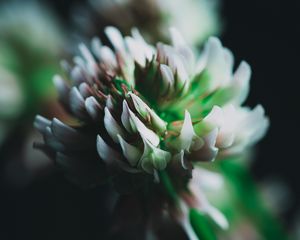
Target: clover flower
point(31, 41)
point(11, 100)
point(25, 24)
point(153, 17)
point(27, 29)
point(140, 110)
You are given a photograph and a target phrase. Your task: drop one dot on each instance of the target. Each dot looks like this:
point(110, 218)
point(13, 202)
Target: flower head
point(143, 107)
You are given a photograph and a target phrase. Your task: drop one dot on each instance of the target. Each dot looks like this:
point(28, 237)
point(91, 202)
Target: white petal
point(202, 60)
point(241, 81)
point(145, 112)
point(93, 107)
point(177, 65)
point(79, 62)
point(176, 38)
point(136, 51)
point(182, 47)
point(179, 157)
point(86, 53)
point(216, 64)
point(107, 154)
point(167, 77)
point(111, 157)
point(188, 140)
point(96, 46)
point(126, 116)
point(63, 131)
point(229, 58)
point(144, 131)
point(225, 121)
point(109, 102)
point(149, 51)
point(136, 35)
point(77, 103)
point(111, 126)
point(61, 86)
point(140, 106)
point(131, 153)
point(40, 123)
point(90, 61)
point(258, 123)
point(85, 90)
point(153, 157)
point(77, 75)
point(209, 151)
point(215, 117)
point(51, 141)
point(116, 38)
point(108, 57)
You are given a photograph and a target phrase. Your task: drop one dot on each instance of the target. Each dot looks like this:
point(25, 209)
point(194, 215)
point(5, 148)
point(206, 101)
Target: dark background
point(263, 32)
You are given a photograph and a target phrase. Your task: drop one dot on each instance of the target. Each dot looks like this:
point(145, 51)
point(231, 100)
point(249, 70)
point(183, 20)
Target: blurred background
point(37, 203)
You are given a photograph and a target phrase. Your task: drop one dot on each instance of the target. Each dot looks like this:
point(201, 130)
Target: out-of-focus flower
point(195, 19)
point(30, 24)
point(201, 181)
point(31, 42)
point(146, 110)
point(11, 96)
point(11, 100)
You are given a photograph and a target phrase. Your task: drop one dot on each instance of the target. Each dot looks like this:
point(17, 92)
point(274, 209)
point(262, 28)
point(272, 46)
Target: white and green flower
point(148, 105)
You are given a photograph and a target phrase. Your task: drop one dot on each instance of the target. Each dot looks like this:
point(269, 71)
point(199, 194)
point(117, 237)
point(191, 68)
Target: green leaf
point(201, 225)
point(247, 197)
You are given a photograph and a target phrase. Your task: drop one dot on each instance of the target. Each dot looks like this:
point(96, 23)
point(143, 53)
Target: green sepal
point(118, 82)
